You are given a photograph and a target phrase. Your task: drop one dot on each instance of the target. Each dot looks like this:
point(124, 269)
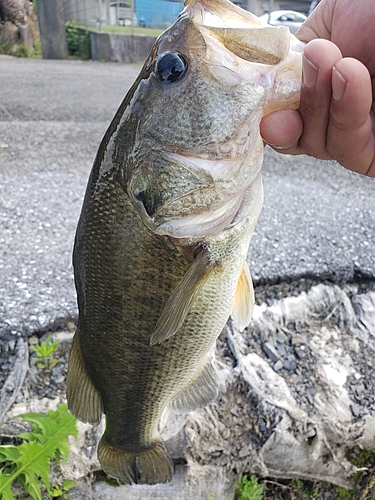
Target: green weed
point(62, 491)
point(342, 494)
point(249, 489)
point(44, 351)
point(305, 492)
point(78, 40)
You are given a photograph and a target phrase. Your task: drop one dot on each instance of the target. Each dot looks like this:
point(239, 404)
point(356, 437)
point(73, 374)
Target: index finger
point(350, 136)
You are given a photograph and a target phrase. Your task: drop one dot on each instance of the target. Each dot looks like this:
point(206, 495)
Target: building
point(156, 13)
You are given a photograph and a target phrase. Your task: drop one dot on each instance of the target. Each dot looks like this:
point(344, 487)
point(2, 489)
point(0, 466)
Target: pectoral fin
point(84, 400)
point(243, 299)
point(182, 298)
point(201, 391)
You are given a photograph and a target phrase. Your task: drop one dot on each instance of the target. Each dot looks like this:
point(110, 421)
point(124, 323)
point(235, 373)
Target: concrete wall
point(120, 48)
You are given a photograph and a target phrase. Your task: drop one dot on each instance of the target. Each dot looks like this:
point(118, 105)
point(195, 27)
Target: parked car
point(288, 18)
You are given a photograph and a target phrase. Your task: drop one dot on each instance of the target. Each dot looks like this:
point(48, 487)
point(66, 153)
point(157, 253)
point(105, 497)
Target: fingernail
point(309, 73)
point(280, 148)
point(338, 84)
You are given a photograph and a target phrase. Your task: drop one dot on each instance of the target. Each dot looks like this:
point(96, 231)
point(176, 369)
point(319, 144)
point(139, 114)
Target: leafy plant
point(44, 351)
point(29, 463)
point(249, 489)
point(342, 493)
point(61, 491)
point(78, 40)
point(306, 492)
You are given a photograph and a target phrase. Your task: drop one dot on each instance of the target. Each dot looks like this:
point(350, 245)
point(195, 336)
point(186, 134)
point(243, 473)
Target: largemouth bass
point(161, 244)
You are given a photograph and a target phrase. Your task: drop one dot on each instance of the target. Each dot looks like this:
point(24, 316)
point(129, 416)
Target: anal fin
point(182, 298)
point(84, 400)
point(201, 391)
point(243, 299)
point(151, 465)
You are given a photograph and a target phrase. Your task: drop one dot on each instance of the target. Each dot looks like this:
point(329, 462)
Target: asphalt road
point(317, 221)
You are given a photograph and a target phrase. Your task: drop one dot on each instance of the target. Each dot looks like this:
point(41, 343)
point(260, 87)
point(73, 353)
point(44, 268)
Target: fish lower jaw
point(205, 224)
point(190, 230)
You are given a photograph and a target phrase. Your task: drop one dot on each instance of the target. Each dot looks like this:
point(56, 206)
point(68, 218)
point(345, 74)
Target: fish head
point(195, 114)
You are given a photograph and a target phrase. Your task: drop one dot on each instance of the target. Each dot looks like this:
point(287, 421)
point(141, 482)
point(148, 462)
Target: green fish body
point(161, 244)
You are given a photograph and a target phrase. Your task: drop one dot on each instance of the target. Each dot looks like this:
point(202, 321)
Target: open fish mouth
point(235, 186)
point(219, 191)
point(203, 224)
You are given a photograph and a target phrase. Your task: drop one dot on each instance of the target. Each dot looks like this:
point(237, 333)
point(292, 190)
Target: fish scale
point(161, 244)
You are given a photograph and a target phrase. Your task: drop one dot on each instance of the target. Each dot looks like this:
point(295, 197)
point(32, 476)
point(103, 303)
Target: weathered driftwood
point(297, 391)
point(15, 379)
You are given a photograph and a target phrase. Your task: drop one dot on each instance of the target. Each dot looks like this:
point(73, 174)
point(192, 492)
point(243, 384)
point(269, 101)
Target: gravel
point(317, 220)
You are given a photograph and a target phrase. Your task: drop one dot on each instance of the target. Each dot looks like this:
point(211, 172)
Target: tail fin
point(149, 466)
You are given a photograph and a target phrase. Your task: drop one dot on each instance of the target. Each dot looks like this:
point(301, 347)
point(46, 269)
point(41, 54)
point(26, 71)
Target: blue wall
point(158, 13)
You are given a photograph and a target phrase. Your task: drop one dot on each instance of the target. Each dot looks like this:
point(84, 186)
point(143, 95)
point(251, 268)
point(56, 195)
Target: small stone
point(226, 433)
point(281, 337)
point(238, 430)
point(244, 452)
point(356, 409)
point(280, 349)
point(311, 432)
point(272, 340)
point(278, 365)
point(297, 341)
point(296, 378)
point(290, 365)
point(228, 422)
point(33, 340)
point(270, 351)
point(322, 382)
point(11, 345)
point(310, 399)
point(300, 352)
point(312, 391)
point(234, 411)
point(358, 390)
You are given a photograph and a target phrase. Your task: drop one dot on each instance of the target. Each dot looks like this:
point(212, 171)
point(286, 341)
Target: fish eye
point(171, 67)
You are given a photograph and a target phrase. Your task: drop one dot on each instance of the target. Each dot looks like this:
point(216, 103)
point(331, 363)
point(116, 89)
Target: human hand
point(336, 118)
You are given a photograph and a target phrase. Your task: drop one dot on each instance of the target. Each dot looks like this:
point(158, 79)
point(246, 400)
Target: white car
point(289, 18)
